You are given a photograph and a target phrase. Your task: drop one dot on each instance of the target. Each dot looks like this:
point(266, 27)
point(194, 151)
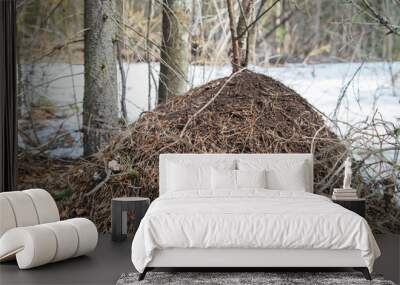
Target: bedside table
point(125, 210)
point(355, 205)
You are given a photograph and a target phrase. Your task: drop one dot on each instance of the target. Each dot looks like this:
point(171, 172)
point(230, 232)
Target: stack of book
point(344, 194)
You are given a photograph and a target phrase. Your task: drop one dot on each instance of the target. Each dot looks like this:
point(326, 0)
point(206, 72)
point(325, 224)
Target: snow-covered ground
point(368, 88)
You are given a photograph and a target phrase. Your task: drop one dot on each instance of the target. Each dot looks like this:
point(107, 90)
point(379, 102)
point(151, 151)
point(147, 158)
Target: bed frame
point(236, 259)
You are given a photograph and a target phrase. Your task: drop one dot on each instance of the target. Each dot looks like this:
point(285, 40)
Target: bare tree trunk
point(197, 28)
point(251, 37)
point(246, 14)
point(286, 26)
point(280, 37)
point(234, 38)
point(175, 48)
point(251, 47)
point(119, 44)
point(243, 35)
point(124, 112)
point(317, 25)
point(148, 57)
point(100, 103)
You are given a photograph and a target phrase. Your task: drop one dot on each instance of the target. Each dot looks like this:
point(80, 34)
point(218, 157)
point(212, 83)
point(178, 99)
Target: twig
point(344, 90)
point(384, 22)
point(312, 147)
point(258, 18)
point(57, 48)
point(282, 22)
point(104, 181)
point(57, 78)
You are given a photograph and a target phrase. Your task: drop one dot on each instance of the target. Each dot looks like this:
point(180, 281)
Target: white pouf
point(7, 220)
point(22, 207)
point(87, 233)
point(46, 207)
point(31, 232)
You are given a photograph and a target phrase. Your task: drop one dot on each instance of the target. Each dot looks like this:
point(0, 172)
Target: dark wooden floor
point(103, 266)
point(389, 262)
point(110, 260)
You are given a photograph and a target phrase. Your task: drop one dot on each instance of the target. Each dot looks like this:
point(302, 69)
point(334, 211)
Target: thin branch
point(383, 21)
point(282, 22)
point(344, 90)
point(55, 79)
point(57, 48)
point(258, 18)
point(312, 147)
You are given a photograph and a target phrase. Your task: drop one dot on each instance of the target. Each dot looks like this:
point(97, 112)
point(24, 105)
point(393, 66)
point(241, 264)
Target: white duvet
point(250, 219)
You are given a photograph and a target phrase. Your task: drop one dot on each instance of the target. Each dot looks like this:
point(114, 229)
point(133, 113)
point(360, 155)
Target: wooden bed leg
point(142, 275)
point(364, 271)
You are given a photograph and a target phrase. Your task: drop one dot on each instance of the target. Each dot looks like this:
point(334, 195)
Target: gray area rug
point(273, 278)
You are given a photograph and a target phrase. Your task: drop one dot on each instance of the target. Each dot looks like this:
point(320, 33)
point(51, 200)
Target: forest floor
point(52, 174)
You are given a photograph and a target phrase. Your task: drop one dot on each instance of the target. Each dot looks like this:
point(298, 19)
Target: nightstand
point(125, 210)
point(355, 205)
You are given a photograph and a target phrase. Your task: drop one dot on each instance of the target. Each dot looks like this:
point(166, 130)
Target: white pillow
point(251, 178)
point(293, 180)
point(282, 174)
point(223, 179)
point(183, 177)
point(226, 179)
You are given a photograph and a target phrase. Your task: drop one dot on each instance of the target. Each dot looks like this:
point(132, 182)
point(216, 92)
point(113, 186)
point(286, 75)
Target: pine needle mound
point(244, 113)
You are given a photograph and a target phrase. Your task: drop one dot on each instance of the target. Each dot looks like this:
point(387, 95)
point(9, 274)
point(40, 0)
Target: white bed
point(218, 224)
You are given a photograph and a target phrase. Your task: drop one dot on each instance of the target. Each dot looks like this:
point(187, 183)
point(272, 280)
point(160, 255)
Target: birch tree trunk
point(246, 13)
point(100, 102)
point(175, 48)
point(196, 31)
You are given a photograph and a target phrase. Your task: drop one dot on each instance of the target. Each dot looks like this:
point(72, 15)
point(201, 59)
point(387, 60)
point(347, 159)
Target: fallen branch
point(101, 184)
